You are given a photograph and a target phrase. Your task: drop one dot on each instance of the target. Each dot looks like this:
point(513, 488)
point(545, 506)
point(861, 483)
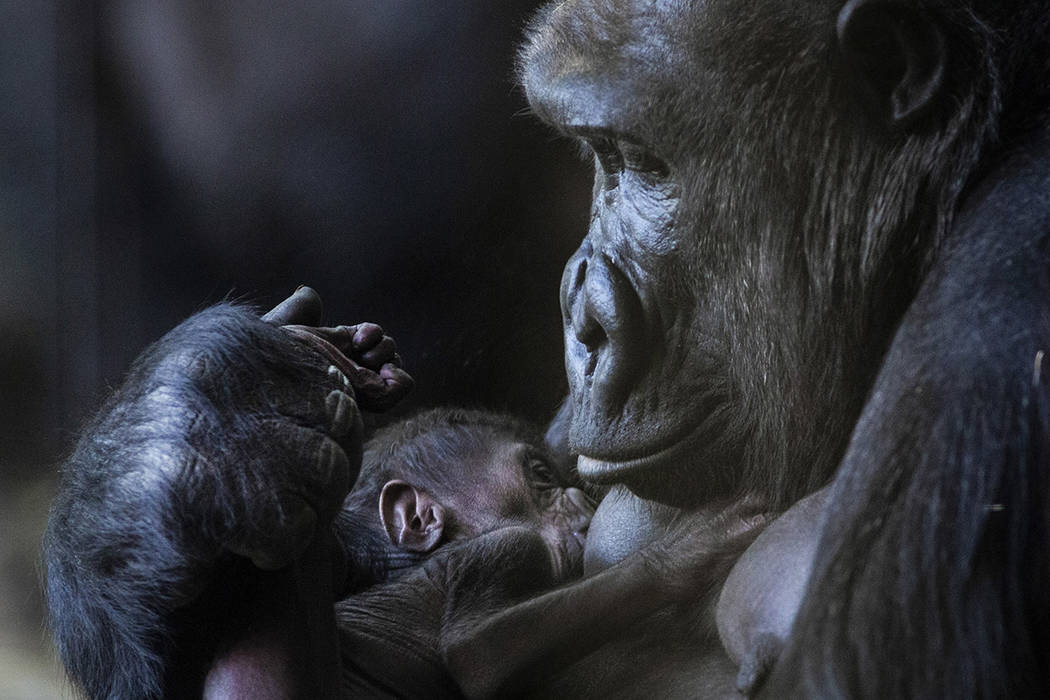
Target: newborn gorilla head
point(448, 475)
point(768, 183)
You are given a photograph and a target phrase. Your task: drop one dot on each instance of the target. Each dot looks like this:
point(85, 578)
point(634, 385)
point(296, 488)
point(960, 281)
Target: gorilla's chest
point(622, 524)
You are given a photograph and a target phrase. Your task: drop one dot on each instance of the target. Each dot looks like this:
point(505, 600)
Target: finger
point(309, 465)
point(344, 420)
point(366, 336)
point(398, 381)
point(359, 337)
point(374, 390)
point(382, 353)
point(340, 337)
point(380, 391)
point(326, 341)
point(302, 307)
point(358, 340)
point(303, 396)
point(347, 428)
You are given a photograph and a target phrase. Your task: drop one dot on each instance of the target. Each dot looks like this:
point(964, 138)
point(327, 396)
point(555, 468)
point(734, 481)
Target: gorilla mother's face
point(691, 231)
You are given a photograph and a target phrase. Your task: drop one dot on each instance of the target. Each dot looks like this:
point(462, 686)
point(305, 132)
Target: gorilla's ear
point(900, 53)
point(413, 520)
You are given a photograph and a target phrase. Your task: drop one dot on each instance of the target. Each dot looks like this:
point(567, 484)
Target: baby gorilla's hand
point(361, 356)
point(365, 356)
point(693, 559)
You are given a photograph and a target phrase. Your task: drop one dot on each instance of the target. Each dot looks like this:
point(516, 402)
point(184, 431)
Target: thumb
point(302, 307)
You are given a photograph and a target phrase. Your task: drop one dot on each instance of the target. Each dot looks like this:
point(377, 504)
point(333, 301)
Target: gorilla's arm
point(930, 575)
point(230, 442)
point(493, 652)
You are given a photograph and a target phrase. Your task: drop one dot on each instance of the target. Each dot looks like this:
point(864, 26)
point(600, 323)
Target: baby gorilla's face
point(514, 483)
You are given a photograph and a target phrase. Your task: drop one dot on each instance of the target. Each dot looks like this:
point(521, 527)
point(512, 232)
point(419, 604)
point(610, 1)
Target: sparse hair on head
point(410, 450)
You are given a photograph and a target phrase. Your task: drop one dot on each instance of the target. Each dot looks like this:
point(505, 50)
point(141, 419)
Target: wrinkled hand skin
point(232, 435)
point(294, 434)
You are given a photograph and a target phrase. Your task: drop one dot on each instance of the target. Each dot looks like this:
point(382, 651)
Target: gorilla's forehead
point(587, 61)
point(628, 64)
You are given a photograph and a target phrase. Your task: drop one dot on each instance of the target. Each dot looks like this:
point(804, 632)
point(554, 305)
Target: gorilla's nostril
point(592, 335)
point(581, 275)
point(592, 364)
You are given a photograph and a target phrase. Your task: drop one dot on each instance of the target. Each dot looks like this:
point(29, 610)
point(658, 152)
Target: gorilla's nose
point(604, 326)
point(580, 313)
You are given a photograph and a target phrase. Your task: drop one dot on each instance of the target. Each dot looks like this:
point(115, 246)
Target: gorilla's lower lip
point(675, 449)
point(605, 471)
point(602, 471)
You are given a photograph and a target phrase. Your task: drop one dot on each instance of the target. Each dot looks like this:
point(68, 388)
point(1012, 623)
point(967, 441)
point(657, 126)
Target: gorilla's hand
point(233, 436)
point(281, 444)
point(365, 355)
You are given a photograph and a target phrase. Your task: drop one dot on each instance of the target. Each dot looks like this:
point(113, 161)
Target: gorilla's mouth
point(676, 452)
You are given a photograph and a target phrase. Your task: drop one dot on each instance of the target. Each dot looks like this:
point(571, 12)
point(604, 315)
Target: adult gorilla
point(819, 248)
point(818, 254)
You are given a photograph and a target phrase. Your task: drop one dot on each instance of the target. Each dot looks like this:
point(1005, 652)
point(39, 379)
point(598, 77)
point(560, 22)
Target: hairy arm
point(508, 650)
point(229, 444)
point(931, 574)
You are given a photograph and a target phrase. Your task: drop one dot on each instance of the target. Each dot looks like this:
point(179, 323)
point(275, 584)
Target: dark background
point(162, 155)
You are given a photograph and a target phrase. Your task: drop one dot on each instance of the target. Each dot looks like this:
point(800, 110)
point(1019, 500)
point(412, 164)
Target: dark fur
point(121, 559)
point(932, 571)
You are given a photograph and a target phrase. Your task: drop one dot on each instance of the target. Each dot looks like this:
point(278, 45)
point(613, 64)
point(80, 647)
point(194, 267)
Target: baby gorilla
point(448, 475)
point(455, 515)
point(480, 502)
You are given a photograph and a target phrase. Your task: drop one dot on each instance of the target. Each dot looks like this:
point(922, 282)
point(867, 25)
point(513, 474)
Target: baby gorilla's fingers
point(383, 353)
point(398, 382)
point(302, 307)
point(377, 388)
point(380, 391)
point(365, 337)
point(364, 343)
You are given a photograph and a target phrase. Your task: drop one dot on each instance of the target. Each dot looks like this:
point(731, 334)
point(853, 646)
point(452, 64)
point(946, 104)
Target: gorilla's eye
point(609, 158)
point(644, 162)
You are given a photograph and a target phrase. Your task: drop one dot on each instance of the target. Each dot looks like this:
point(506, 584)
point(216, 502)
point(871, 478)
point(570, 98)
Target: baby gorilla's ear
point(413, 520)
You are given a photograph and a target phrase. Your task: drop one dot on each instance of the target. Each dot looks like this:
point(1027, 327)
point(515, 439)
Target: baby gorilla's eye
point(543, 483)
point(542, 474)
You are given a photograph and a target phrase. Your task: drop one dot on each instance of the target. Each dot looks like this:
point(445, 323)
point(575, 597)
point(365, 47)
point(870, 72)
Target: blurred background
point(162, 155)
